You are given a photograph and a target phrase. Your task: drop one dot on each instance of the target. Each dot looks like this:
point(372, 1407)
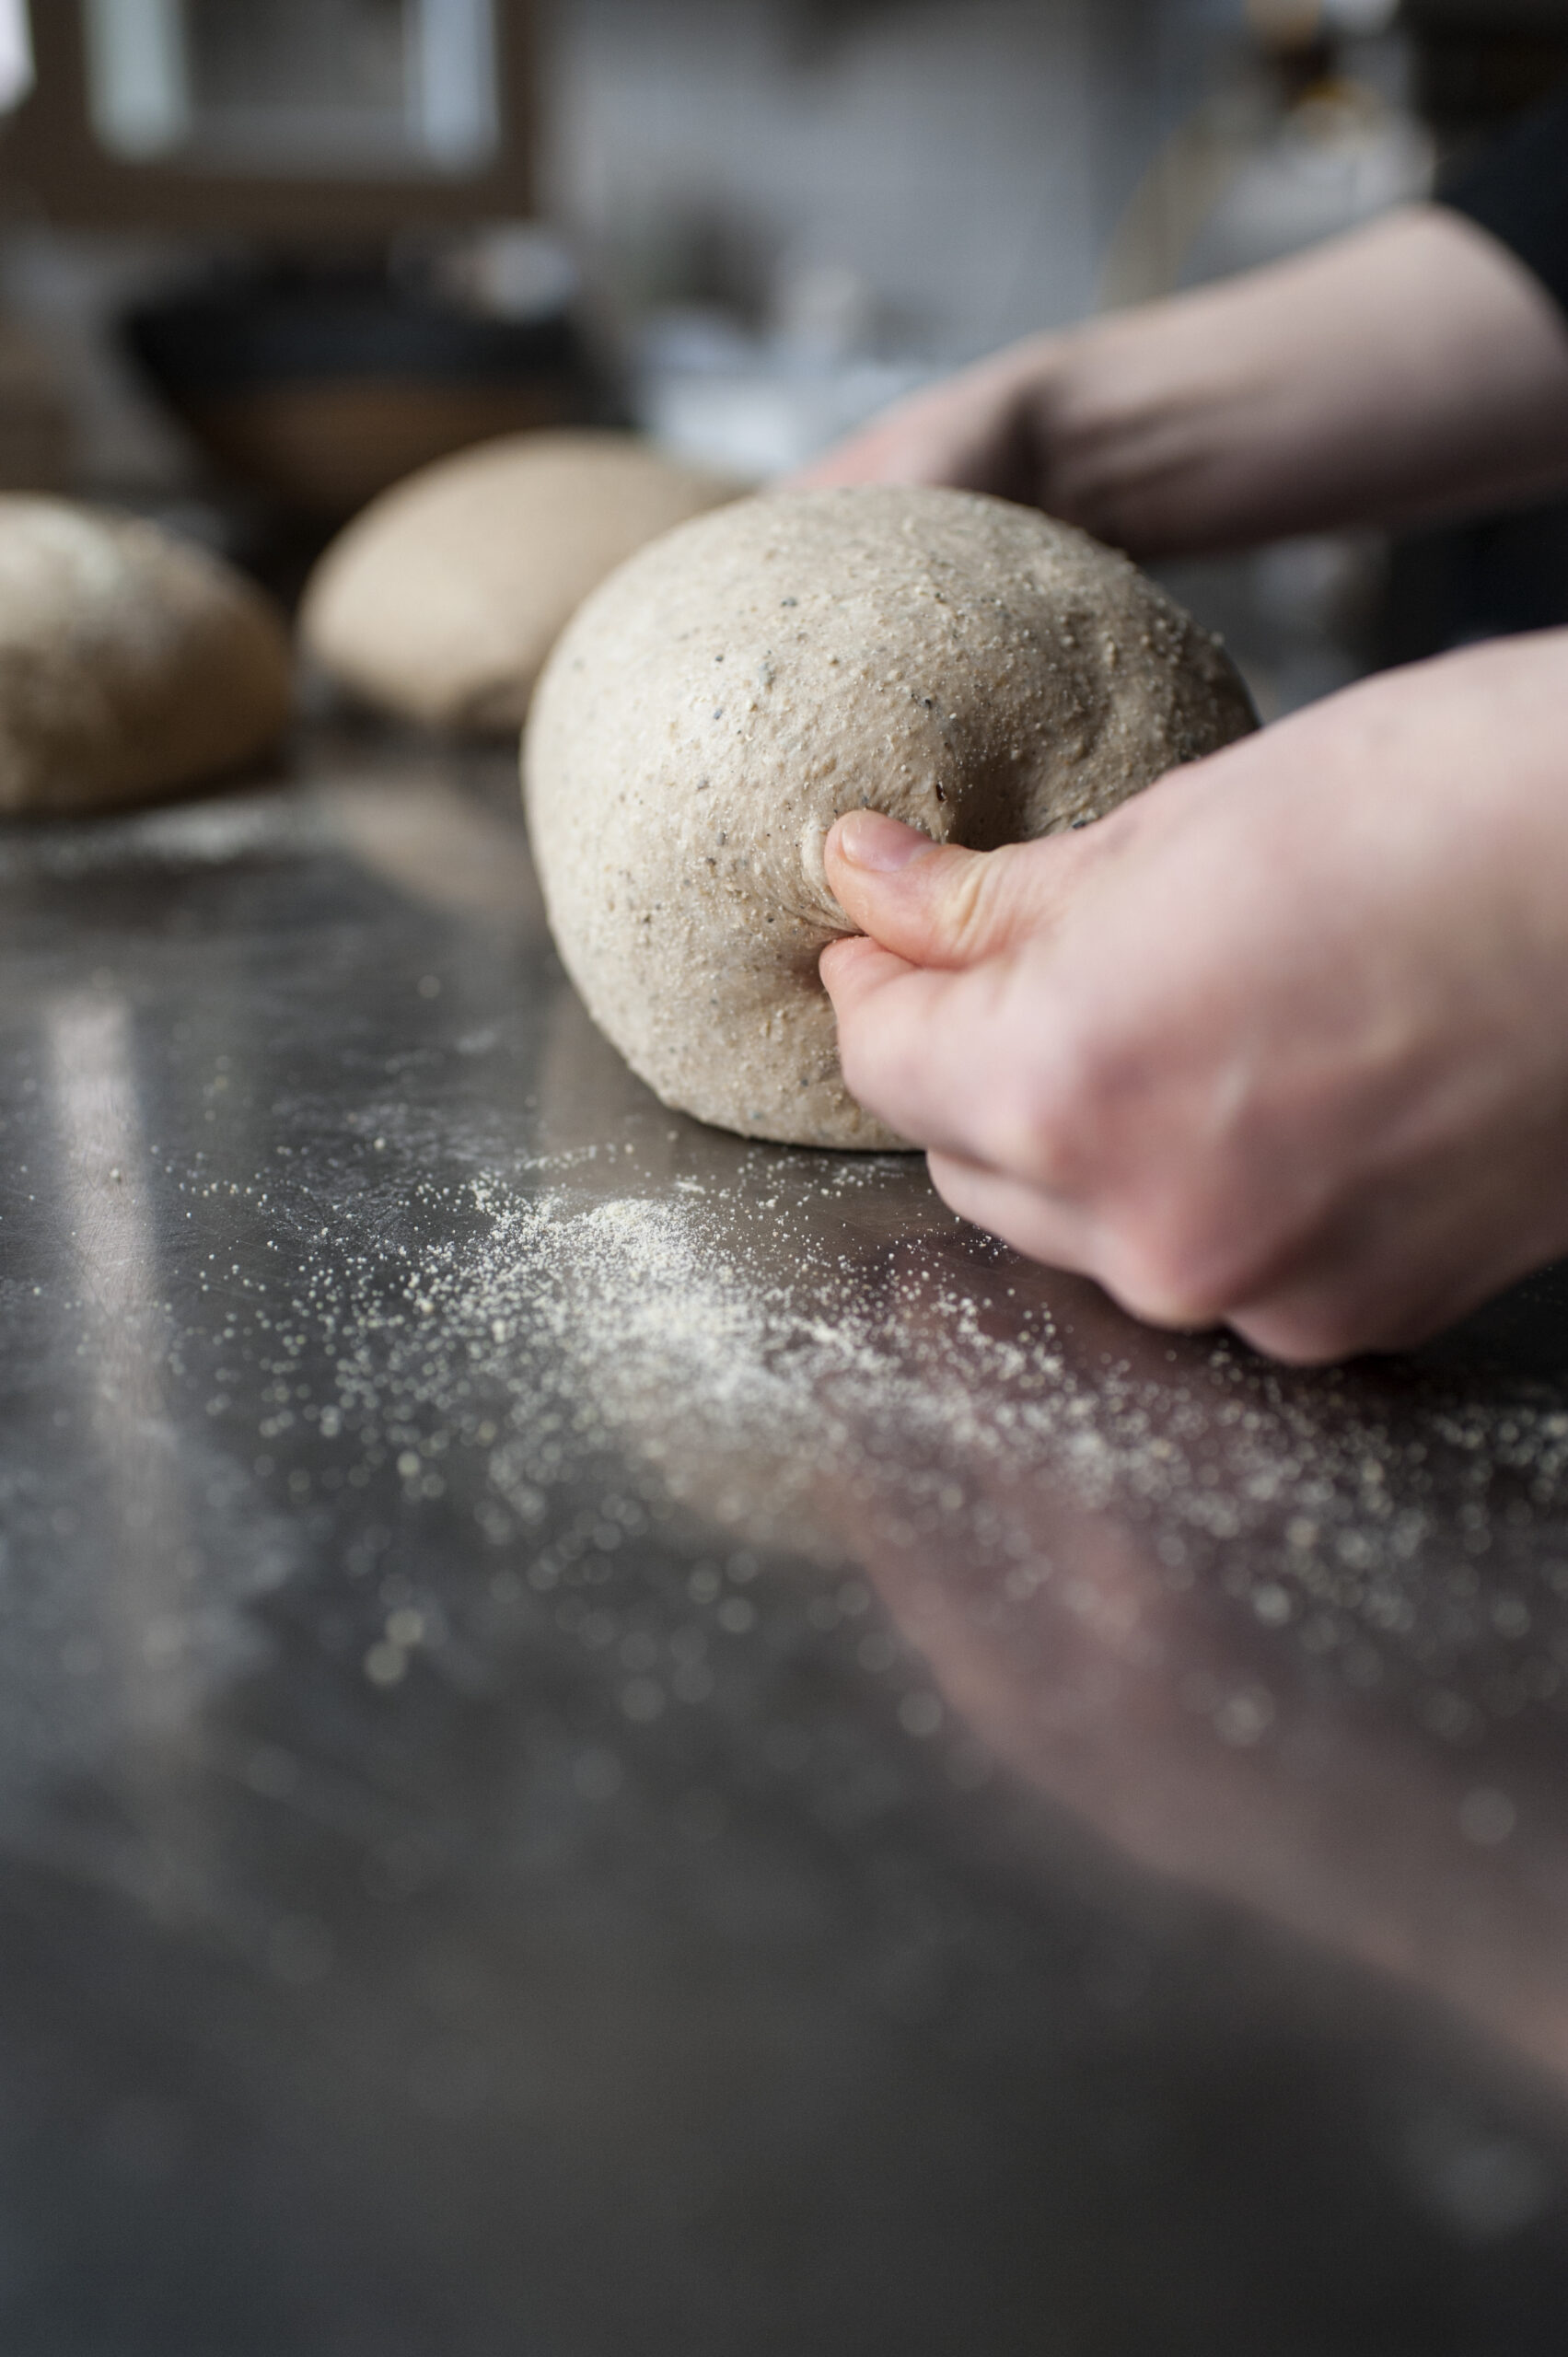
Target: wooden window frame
point(51, 159)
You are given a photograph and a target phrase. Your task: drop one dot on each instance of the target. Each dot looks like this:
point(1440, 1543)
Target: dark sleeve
point(1518, 190)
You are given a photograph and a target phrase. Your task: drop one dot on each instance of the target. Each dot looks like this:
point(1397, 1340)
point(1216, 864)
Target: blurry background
point(258, 257)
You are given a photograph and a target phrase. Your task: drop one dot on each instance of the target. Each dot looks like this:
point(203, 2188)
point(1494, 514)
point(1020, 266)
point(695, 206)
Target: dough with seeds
point(133, 665)
point(442, 599)
point(963, 663)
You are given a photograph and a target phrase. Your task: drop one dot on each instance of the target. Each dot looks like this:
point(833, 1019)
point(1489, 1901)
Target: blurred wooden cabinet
point(295, 120)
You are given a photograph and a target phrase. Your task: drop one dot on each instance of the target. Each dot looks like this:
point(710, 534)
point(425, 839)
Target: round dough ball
point(962, 663)
point(442, 599)
point(132, 664)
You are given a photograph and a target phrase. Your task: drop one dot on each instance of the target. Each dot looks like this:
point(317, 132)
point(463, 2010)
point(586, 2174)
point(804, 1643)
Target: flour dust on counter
point(602, 1720)
point(804, 1356)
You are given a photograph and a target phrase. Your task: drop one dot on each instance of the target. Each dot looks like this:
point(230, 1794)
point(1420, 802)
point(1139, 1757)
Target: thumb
point(936, 904)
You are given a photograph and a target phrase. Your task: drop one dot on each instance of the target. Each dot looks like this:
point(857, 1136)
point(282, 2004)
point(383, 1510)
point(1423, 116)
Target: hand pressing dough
point(132, 664)
point(442, 599)
point(962, 663)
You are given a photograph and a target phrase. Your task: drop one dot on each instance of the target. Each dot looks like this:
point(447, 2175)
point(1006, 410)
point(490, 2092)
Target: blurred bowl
point(319, 389)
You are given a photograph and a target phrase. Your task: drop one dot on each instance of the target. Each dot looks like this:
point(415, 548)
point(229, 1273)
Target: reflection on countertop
point(615, 1737)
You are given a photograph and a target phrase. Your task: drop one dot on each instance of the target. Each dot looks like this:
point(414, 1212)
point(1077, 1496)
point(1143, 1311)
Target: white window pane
point(16, 54)
point(136, 82)
point(457, 82)
point(312, 88)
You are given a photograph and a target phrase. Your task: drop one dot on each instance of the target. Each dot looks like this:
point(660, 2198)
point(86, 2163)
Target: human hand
point(1282, 1043)
point(988, 428)
point(1410, 369)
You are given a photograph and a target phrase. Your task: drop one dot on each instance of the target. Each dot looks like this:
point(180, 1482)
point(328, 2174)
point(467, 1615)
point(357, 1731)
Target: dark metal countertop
point(615, 1740)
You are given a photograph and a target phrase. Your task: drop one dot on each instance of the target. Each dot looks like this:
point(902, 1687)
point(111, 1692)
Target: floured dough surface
point(442, 599)
point(962, 663)
point(133, 665)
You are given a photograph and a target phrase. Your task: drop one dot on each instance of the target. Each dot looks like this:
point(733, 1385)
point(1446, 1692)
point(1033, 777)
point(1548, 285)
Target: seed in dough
point(442, 599)
point(133, 665)
point(965, 665)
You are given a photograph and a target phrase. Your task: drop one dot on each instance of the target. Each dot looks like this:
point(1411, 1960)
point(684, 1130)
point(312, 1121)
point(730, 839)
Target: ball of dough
point(132, 664)
point(442, 599)
point(962, 663)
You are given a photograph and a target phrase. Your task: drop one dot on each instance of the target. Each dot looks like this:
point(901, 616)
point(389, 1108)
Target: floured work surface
point(610, 1737)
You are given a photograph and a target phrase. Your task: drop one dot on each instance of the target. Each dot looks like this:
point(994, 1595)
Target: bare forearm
point(1412, 370)
point(1409, 370)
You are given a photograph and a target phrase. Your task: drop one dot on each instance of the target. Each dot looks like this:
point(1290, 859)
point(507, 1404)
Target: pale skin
point(1282, 1043)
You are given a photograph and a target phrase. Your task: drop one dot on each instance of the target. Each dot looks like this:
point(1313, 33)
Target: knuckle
point(988, 901)
point(1183, 1260)
point(970, 906)
point(1031, 1133)
point(1330, 1317)
point(1300, 1337)
point(1161, 1286)
point(1059, 1125)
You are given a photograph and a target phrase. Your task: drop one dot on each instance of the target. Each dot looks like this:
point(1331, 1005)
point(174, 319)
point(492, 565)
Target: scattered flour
point(747, 1354)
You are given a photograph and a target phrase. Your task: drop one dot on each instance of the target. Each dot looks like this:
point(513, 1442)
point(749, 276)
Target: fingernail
point(868, 838)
